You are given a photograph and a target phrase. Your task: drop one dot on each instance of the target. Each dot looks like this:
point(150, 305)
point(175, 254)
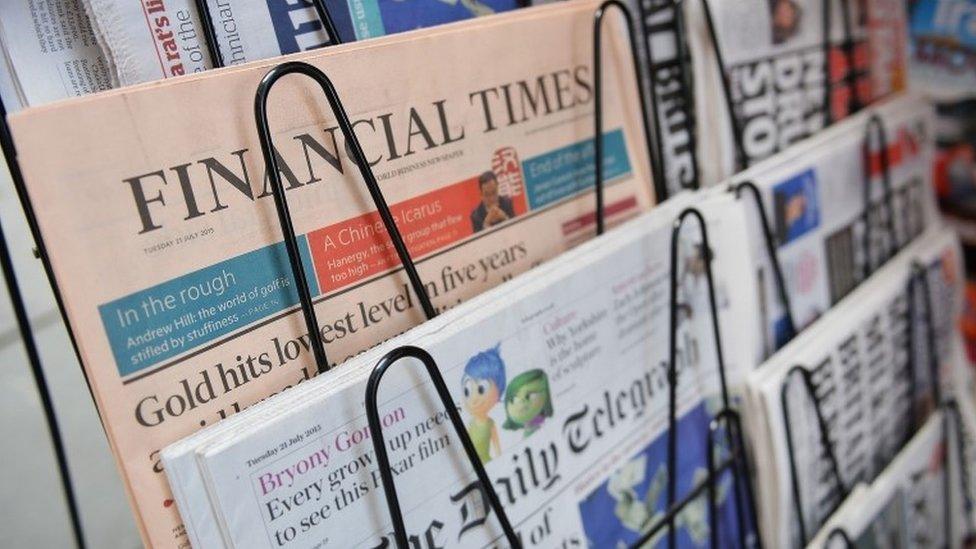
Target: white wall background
point(34, 513)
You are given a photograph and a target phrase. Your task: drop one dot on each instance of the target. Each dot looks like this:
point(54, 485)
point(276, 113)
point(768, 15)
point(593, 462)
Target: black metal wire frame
point(779, 279)
point(738, 461)
point(673, 342)
point(741, 159)
point(660, 186)
point(952, 415)
point(920, 278)
point(47, 403)
point(841, 534)
point(828, 448)
point(741, 475)
point(17, 177)
point(328, 25)
point(209, 34)
point(875, 127)
point(281, 204)
point(383, 459)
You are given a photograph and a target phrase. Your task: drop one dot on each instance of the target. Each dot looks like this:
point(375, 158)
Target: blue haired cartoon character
point(484, 384)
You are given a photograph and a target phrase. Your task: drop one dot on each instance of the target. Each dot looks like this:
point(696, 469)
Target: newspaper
point(905, 506)
point(587, 468)
point(658, 31)
point(150, 40)
point(773, 53)
point(248, 30)
point(362, 19)
point(813, 196)
point(194, 317)
point(862, 373)
point(48, 52)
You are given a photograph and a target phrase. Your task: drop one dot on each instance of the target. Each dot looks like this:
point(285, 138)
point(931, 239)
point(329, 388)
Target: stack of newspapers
point(807, 300)
point(195, 314)
point(561, 376)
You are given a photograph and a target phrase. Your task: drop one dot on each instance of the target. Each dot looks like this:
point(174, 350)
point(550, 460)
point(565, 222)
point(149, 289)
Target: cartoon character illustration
point(484, 383)
point(527, 402)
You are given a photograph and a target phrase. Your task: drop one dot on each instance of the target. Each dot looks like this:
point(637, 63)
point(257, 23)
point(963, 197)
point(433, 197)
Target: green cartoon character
point(527, 402)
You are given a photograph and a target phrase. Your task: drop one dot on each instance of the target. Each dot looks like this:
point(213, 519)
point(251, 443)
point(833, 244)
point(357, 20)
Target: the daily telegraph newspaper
point(774, 57)
point(560, 376)
point(943, 48)
point(158, 192)
point(862, 372)
point(813, 196)
point(906, 505)
point(48, 51)
point(150, 39)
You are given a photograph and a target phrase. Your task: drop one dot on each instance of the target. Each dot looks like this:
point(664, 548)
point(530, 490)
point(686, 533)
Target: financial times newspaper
point(488, 168)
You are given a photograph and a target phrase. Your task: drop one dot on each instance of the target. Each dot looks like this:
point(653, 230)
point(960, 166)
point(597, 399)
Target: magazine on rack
point(773, 53)
point(870, 388)
point(194, 317)
point(561, 378)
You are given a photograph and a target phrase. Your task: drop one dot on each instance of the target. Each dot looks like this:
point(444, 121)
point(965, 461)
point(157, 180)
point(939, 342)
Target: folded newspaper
point(48, 51)
point(777, 67)
point(488, 168)
point(906, 505)
point(813, 194)
point(561, 376)
point(871, 387)
point(157, 39)
point(150, 40)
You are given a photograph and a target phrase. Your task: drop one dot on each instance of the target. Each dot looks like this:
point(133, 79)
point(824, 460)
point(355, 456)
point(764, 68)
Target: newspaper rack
point(741, 159)
point(725, 424)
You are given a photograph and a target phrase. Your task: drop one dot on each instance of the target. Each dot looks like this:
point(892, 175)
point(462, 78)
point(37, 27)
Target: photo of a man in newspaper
point(494, 208)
